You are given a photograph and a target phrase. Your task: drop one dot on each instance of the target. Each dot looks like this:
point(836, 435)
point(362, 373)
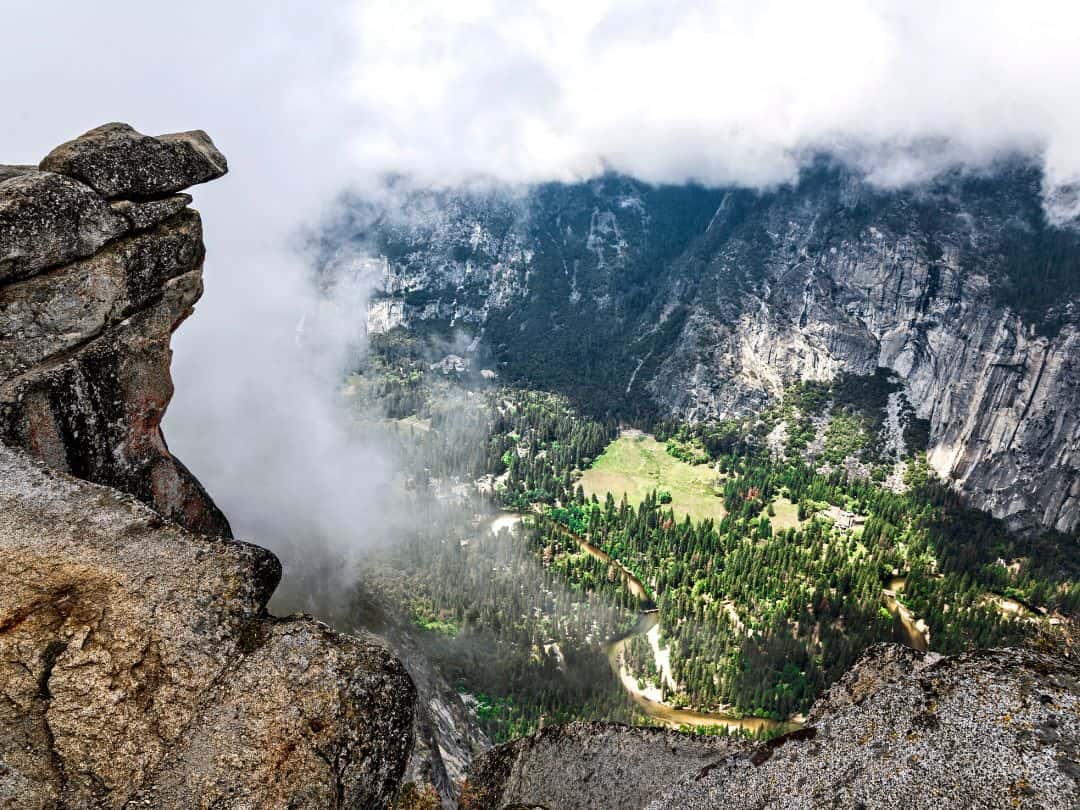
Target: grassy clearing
point(785, 514)
point(636, 464)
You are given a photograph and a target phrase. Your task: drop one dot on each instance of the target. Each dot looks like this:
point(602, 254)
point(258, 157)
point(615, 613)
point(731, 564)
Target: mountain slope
point(700, 303)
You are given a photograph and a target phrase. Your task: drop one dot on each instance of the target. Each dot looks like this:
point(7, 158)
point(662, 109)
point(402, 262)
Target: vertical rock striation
point(842, 278)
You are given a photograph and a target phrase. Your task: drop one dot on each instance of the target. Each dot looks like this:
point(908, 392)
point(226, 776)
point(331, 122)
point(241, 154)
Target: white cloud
point(716, 92)
point(308, 98)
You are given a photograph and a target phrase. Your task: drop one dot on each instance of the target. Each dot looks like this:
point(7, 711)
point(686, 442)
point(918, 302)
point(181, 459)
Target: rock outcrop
point(47, 219)
point(588, 765)
point(990, 729)
point(446, 733)
point(116, 161)
point(139, 666)
point(90, 292)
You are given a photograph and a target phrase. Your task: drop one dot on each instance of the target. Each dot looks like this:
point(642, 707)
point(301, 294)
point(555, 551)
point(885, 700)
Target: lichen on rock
point(47, 219)
point(116, 161)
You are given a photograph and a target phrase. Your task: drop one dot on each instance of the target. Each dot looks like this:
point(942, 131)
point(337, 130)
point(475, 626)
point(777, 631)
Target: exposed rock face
point(1001, 393)
point(46, 219)
point(84, 346)
point(588, 765)
point(142, 215)
point(7, 172)
point(137, 662)
point(139, 666)
point(446, 732)
point(117, 161)
point(993, 729)
point(707, 303)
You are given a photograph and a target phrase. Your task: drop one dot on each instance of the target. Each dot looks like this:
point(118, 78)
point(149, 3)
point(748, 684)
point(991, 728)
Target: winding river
point(915, 633)
point(669, 715)
point(647, 620)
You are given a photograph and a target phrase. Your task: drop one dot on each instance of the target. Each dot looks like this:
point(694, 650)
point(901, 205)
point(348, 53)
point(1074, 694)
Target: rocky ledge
point(93, 281)
point(989, 729)
point(139, 666)
point(586, 765)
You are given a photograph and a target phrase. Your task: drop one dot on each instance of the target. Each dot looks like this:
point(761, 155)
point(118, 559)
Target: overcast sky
point(681, 89)
point(306, 99)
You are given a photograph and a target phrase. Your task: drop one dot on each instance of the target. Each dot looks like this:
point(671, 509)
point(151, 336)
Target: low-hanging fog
point(311, 100)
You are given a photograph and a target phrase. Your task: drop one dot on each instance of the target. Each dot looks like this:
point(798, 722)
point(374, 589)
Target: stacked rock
point(139, 665)
point(100, 260)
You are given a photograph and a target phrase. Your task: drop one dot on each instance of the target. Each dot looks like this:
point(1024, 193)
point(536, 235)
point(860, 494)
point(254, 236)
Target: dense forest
point(758, 618)
point(521, 640)
point(760, 607)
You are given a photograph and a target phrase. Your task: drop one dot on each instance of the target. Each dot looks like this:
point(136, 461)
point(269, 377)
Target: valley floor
point(769, 570)
point(636, 464)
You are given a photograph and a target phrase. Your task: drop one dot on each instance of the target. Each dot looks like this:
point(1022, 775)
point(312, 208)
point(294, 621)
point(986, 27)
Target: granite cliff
point(94, 280)
point(707, 303)
point(139, 666)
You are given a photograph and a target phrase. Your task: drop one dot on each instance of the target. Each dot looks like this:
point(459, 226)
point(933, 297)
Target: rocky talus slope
point(991, 729)
point(139, 666)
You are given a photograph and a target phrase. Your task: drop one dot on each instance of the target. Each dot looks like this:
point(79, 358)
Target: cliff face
point(90, 291)
point(139, 666)
point(1000, 389)
point(706, 303)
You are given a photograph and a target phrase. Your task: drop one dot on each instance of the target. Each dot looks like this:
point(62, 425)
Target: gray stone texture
point(116, 161)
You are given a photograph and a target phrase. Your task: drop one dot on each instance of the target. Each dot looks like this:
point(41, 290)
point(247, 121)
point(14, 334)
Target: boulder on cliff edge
point(117, 161)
